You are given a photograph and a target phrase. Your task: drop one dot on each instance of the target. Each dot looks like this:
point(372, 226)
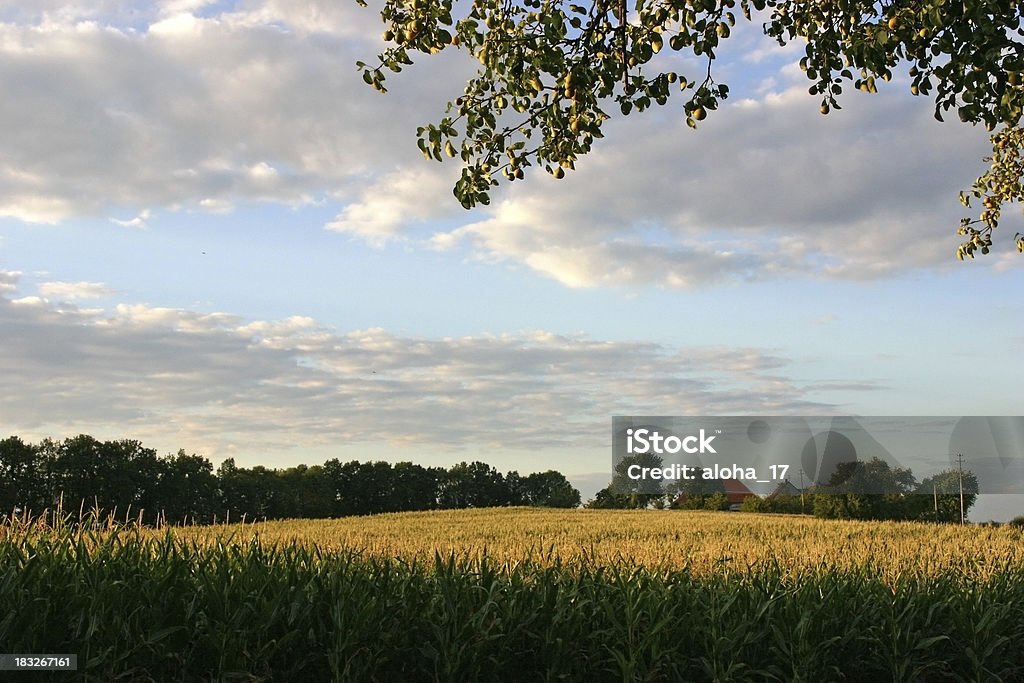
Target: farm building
point(736, 492)
point(785, 488)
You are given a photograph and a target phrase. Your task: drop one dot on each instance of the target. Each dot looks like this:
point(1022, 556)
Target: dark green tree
point(550, 489)
point(943, 491)
point(22, 478)
point(128, 478)
point(782, 504)
point(77, 468)
point(475, 484)
point(307, 492)
point(607, 499)
point(188, 490)
point(874, 490)
point(642, 492)
point(98, 476)
point(250, 494)
point(516, 485)
point(415, 486)
point(361, 488)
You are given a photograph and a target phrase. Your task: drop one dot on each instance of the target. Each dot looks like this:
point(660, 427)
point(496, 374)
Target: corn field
point(517, 595)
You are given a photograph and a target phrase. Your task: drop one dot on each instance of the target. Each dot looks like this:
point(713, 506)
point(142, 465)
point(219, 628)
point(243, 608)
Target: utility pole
point(801, 490)
point(960, 467)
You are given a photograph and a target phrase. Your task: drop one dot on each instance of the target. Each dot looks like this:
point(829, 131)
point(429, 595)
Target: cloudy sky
point(214, 236)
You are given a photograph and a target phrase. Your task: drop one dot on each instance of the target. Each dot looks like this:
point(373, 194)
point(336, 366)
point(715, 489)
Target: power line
point(960, 467)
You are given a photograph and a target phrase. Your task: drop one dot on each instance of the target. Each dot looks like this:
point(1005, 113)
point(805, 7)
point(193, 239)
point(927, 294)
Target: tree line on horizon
point(868, 490)
point(128, 480)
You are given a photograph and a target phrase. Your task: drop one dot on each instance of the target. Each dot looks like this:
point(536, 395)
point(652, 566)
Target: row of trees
point(856, 490)
point(126, 478)
point(874, 490)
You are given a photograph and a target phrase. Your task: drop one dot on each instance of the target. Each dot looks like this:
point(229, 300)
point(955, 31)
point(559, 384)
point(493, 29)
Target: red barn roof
point(736, 491)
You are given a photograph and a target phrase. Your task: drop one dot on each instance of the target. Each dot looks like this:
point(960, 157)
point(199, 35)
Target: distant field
point(520, 595)
point(699, 541)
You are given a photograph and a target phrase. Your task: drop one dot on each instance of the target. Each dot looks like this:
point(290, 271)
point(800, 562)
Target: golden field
point(516, 594)
point(700, 541)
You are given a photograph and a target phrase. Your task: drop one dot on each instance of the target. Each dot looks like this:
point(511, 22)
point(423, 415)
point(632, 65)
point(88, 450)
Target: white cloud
point(138, 221)
point(393, 205)
point(313, 17)
point(123, 108)
point(58, 12)
point(9, 281)
point(764, 190)
point(179, 23)
point(178, 377)
point(1007, 261)
point(73, 291)
point(35, 208)
point(211, 205)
